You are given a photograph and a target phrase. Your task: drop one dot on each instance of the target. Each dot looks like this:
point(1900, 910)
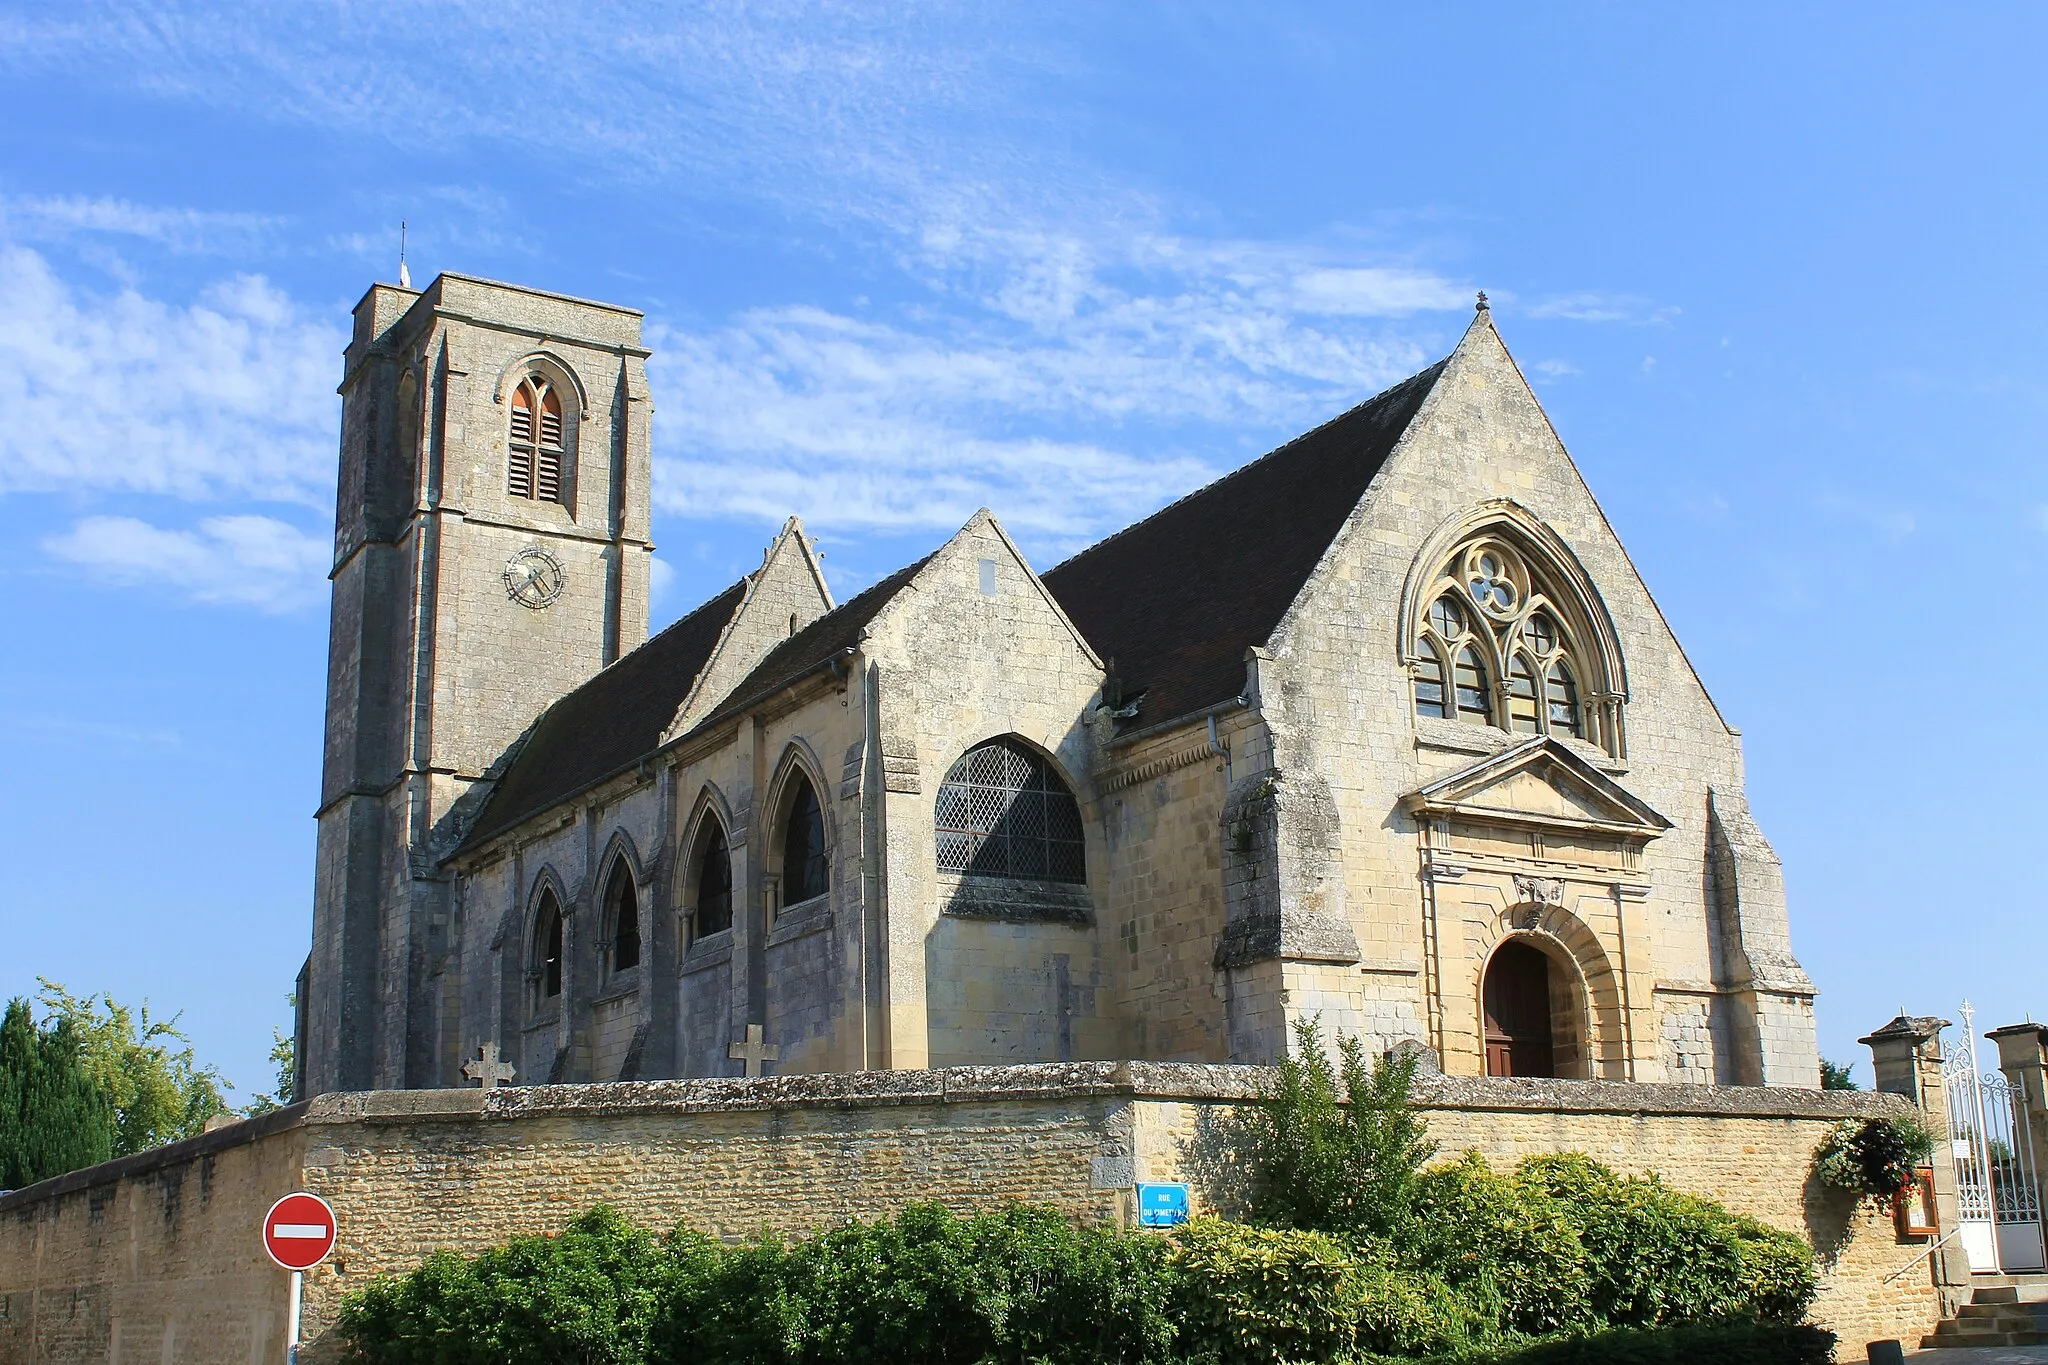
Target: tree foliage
point(1333, 1149)
point(53, 1116)
point(145, 1067)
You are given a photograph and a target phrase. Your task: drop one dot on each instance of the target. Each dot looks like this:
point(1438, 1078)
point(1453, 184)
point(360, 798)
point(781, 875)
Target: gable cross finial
point(1482, 301)
point(485, 1068)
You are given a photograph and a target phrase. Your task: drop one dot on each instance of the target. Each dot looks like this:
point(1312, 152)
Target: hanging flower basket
point(1875, 1159)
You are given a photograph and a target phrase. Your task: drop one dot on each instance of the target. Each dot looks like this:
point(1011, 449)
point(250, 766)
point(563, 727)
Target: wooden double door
point(1517, 1009)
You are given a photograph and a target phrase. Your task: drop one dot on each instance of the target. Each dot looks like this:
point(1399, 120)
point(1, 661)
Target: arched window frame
point(622, 932)
point(959, 830)
point(547, 942)
point(784, 893)
point(1537, 578)
point(707, 829)
point(539, 380)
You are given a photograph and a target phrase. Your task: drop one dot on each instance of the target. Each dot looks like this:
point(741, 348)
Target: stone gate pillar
point(1905, 1056)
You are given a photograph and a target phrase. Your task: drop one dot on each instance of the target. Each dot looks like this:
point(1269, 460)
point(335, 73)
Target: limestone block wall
point(1340, 705)
point(155, 1257)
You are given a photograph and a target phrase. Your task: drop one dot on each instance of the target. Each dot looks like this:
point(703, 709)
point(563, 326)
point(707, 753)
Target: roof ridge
point(1250, 465)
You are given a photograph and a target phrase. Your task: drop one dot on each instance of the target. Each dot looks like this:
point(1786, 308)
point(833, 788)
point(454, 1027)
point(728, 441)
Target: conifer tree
point(53, 1116)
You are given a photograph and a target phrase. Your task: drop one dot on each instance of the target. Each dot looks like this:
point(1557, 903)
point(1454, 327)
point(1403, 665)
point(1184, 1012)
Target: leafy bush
point(1506, 1243)
point(1328, 1150)
point(1872, 1157)
point(1564, 1244)
point(589, 1296)
point(1723, 1343)
point(1015, 1285)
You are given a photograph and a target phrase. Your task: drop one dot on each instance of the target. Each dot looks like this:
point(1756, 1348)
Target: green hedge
point(1722, 1343)
point(1561, 1247)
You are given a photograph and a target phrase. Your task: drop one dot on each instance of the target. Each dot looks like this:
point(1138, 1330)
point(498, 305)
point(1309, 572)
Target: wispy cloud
point(1067, 384)
point(69, 731)
point(1596, 307)
point(249, 561)
point(51, 218)
point(229, 396)
point(1554, 369)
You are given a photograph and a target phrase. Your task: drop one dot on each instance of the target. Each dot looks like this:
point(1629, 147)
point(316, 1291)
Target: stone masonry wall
point(156, 1256)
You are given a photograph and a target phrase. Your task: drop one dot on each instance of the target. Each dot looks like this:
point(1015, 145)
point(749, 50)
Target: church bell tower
point(490, 554)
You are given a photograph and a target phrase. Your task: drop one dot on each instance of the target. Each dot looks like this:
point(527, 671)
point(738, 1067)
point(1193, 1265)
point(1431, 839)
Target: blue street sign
point(1162, 1206)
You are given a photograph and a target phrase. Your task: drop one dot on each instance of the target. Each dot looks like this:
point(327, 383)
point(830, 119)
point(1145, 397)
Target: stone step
point(1939, 1342)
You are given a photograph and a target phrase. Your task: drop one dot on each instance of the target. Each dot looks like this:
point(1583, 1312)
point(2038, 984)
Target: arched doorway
point(1519, 1038)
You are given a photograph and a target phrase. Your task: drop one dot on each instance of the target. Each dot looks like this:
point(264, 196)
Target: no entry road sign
point(298, 1232)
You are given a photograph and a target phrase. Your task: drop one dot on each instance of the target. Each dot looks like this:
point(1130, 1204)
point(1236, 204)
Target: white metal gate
point(1998, 1188)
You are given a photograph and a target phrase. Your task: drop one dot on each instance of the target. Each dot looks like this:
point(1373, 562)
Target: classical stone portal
point(1381, 729)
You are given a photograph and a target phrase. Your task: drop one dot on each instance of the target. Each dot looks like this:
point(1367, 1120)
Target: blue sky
point(1774, 271)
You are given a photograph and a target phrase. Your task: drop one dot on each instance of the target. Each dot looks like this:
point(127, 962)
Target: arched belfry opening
point(1521, 1021)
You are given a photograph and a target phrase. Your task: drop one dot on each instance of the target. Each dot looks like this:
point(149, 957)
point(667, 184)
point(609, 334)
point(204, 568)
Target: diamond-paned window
point(1003, 812)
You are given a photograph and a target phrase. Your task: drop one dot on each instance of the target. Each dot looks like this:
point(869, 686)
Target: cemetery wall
point(156, 1257)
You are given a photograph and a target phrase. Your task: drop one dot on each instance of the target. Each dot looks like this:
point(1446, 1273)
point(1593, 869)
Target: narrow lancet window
point(803, 843)
point(714, 885)
point(622, 913)
point(547, 949)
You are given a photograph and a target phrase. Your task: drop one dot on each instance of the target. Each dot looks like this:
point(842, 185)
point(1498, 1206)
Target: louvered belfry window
point(535, 451)
point(1004, 812)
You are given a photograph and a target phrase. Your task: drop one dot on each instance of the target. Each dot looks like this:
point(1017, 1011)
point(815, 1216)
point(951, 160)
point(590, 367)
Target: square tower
point(490, 554)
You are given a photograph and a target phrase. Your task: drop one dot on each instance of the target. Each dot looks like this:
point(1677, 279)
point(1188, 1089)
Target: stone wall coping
point(1186, 1082)
point(156, 1158)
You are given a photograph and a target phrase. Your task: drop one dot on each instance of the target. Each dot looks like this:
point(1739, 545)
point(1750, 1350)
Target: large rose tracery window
point(1493, 649)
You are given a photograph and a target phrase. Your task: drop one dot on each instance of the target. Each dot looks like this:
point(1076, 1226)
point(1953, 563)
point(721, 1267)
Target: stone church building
point(1382, 728)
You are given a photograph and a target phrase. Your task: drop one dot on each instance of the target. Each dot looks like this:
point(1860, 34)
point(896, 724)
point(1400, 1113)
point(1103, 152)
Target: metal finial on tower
point(404, 275)
point(1482, 300)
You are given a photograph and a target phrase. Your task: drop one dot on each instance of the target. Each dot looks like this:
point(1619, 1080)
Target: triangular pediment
point(1539, 782)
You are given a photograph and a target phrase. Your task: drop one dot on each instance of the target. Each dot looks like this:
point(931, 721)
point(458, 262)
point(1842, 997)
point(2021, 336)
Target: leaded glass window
point(1511, 657)
point(803, 843)
point(1003, 812)
point(714, 884)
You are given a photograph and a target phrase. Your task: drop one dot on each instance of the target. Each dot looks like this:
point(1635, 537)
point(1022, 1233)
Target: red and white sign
point(298, 1232)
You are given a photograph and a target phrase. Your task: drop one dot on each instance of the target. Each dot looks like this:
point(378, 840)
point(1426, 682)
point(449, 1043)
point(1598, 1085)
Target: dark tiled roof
point(833, 633)
point(609, 722)
point(1177, 599)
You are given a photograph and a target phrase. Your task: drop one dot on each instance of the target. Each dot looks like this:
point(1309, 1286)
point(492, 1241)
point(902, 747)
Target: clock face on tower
point(533, 578)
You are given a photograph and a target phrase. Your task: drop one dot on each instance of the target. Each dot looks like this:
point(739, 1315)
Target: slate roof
point(608, 723)
point(617, 718)
point(1174, 600)
point(1177, 599)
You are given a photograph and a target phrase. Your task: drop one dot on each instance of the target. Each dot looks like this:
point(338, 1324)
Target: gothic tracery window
point(536, 449)
point(804, 873)
point(622, 914)
point(1003, 812)
point(1492, 647)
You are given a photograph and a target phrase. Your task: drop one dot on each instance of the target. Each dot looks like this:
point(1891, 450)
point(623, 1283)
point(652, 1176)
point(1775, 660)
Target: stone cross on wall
point(753, 1051)
point(486, 1070)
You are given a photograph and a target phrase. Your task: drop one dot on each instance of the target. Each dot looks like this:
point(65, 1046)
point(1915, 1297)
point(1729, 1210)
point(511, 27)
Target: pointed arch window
point(547, 950)
point(804, 873)
point(1490, 614)
point(622, 916)
point(1003, 812)
point(713, 887)
point(536, 448)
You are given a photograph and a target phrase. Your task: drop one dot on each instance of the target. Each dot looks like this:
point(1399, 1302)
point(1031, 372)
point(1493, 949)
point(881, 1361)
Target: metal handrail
point(1929, 1251)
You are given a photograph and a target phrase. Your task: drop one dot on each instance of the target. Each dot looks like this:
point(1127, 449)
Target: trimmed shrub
point(588, 1296)
point(1020, 1284)
point(1723, 1343)
point(1506, 1244)
point(1247, 1294)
